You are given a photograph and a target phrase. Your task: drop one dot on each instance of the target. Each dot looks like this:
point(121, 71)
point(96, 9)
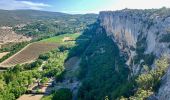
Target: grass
point(59, 39)
point(47, 97)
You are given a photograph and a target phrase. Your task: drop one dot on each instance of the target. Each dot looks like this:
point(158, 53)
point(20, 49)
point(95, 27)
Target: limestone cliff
point(140, 32)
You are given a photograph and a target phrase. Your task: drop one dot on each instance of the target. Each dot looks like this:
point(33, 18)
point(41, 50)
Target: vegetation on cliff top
point(149, 82)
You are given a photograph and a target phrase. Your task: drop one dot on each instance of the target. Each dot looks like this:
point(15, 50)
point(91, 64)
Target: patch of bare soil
point(31, 97)
point(8, 35)
point(3, 54)
point(65, 39)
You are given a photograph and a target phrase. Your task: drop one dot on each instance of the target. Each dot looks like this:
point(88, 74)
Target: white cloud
point(35, 4)
point(14, 4)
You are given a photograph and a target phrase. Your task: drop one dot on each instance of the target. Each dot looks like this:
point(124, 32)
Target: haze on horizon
point(82, 6)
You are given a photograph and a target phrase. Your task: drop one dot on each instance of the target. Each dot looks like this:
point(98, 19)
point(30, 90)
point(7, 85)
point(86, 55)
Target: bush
point(45, 56)
point(44, 80)
point(149, 59)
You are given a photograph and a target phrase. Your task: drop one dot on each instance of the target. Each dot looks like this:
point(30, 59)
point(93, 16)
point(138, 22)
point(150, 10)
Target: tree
point(62, 94)
point(45, 56)
point(141, 94)
point(44, 80)
point(2, 85)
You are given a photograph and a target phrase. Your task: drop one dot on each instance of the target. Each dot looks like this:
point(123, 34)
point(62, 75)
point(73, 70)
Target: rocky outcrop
point(137, 30)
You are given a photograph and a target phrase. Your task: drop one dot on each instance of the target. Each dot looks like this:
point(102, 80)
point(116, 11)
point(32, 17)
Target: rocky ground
point(31, 97)
point(8, 35)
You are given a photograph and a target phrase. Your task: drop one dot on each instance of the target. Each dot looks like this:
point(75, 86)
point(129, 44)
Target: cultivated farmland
point(62, 38)
point(33, 50)
point(29, 53)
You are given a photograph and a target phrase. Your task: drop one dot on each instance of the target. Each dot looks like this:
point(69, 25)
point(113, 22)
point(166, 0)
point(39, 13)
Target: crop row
point(29, 53)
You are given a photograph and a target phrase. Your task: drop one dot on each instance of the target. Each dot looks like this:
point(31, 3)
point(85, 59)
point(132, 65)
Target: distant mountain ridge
point(13, 17)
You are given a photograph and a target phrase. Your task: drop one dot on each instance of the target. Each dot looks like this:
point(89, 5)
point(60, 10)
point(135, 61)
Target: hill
point(13, 17)
point(34, 23)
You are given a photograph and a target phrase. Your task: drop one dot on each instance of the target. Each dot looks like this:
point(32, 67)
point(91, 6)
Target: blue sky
point(82, 6)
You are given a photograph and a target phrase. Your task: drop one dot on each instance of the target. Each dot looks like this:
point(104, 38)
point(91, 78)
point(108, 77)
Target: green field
point(59, 39)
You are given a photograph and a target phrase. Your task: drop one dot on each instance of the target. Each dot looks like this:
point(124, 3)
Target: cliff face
point(146, 29)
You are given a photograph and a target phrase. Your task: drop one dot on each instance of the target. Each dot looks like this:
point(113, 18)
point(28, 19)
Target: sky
point(82, 6)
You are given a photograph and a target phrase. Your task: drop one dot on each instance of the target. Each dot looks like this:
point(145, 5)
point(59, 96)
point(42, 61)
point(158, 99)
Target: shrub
point(165, 38)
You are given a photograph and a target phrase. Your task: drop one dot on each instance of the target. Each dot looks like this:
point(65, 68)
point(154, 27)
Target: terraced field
point(29, 53)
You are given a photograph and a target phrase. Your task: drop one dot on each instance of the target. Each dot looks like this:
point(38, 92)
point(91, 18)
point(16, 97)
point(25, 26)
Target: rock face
point(133, 29)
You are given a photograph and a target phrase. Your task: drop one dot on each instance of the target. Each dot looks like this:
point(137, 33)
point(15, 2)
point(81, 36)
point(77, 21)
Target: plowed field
point(29, 53)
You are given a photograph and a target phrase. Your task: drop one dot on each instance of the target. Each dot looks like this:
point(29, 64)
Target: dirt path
point(31, 97)
point(3, 54)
